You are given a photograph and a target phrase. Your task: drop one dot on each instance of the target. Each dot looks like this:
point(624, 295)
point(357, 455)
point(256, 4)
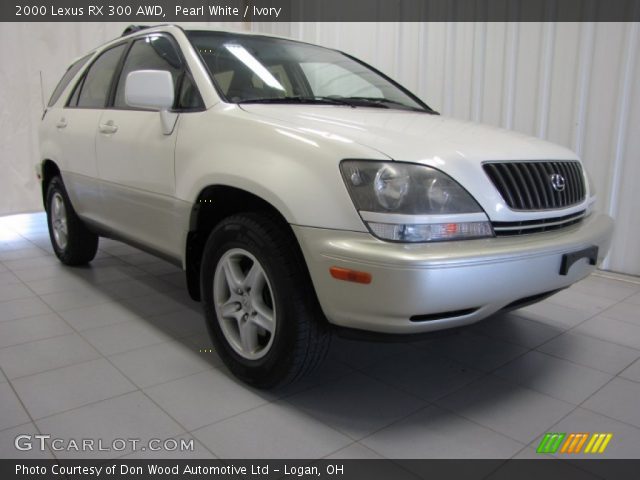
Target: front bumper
point(474, 278)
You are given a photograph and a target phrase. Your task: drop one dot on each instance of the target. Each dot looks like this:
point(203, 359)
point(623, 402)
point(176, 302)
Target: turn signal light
point(350, 275)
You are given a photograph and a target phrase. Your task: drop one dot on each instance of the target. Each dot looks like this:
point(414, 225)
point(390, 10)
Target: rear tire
point(71, 240)
point(261, 309)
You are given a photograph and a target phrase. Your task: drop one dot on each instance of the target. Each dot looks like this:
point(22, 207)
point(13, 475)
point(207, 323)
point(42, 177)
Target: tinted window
point(73, 100)
point(66, 78)
point(189, 97)
point(150, 53)
point(97, 82)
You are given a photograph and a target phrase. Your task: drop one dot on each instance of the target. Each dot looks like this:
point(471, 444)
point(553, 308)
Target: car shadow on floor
point(443, 384)
point(466, 352)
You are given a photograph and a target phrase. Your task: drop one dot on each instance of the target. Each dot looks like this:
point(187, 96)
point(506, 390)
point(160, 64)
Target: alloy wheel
point(59, 220)
point(244, 304)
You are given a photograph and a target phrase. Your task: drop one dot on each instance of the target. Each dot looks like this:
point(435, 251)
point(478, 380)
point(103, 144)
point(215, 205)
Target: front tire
point(72, 242)
point(260, 306)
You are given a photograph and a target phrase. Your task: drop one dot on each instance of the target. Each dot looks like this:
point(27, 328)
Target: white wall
point(577, 84)
point(31, 53)
point(33, 57)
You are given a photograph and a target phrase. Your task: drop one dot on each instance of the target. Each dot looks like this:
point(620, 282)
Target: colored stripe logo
point(554, 442)
point(598, 443)
point(550, 442)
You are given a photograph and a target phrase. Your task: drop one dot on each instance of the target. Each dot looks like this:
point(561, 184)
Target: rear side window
point(150, 53)
point(94, 90)
point(66, 78)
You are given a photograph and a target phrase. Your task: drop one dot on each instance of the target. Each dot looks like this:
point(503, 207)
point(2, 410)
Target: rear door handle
point(108, 128)
point(62, 123)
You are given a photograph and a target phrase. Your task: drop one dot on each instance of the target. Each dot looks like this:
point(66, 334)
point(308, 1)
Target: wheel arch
point(213, 204)
point(49, 170)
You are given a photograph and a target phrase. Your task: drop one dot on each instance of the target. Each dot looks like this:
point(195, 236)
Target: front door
point(135, 158)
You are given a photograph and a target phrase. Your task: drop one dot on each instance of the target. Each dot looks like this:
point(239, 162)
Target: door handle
point(108, 128)
point(62, 123)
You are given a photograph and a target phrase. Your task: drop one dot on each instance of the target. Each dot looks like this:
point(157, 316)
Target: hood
point(414, 136)
point(455, 147)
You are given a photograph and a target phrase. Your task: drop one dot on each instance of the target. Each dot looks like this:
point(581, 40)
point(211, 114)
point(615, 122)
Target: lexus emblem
point(558, 182)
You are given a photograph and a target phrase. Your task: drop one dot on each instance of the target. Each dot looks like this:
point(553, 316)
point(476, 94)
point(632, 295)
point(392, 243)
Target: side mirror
point(152, 89)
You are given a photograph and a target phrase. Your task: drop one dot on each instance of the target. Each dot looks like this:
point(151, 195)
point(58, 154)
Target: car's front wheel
point(261, 310)
point(72, 242)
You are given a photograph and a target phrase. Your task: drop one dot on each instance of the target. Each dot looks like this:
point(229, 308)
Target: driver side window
point(157, 52)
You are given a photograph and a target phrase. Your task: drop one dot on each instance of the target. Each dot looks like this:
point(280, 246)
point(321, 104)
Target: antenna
point(41, 91)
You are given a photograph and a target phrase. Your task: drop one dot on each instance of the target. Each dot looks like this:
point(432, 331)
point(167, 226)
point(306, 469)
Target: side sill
point(107, 232)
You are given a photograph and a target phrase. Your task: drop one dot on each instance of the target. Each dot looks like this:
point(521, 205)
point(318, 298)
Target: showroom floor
point(118, 350)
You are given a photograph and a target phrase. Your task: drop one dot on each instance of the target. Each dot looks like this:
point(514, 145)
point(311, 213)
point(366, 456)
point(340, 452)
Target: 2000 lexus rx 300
point(301, 190)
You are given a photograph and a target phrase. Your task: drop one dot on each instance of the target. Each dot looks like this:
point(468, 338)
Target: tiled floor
point(114, 350)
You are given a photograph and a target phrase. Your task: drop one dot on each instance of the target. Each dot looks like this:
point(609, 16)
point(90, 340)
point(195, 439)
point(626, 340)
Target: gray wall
point(577, 84)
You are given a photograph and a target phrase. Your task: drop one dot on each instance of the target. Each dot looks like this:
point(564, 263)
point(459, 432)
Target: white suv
point(302, 191)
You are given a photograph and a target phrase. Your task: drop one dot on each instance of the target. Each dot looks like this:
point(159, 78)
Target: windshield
point(257, 69)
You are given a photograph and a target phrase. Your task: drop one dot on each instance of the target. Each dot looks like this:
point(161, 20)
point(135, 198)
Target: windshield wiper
point(353, 102)
point(386, 103)
point(299, 99)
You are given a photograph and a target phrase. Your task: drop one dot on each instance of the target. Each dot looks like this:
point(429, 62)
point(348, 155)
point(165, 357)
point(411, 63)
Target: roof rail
point(133, 29)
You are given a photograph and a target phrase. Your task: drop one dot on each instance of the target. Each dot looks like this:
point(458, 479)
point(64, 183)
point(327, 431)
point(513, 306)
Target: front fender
point(295, 171)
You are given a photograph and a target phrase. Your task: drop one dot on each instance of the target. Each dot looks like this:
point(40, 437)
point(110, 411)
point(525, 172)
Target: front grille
point(503, 229)
point(530, 185)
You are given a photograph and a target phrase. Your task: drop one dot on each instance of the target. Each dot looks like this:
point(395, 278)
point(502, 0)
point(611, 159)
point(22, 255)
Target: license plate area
point(568, 259)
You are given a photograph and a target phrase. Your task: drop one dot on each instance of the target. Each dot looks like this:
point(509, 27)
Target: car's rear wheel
point(72, 242)
point(261, 309)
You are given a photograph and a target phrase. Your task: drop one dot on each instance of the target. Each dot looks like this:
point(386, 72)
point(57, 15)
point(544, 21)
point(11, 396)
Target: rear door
point(135, 158)
point(76, 125)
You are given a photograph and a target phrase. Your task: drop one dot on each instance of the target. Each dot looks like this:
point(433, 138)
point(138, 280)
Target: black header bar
point(547, 468)
point(168, 11)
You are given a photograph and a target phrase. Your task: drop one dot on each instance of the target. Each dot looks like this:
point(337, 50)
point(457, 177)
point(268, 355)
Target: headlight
point(589, 180)
point(591, 201)
point(413, 203)
point(391, 187)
